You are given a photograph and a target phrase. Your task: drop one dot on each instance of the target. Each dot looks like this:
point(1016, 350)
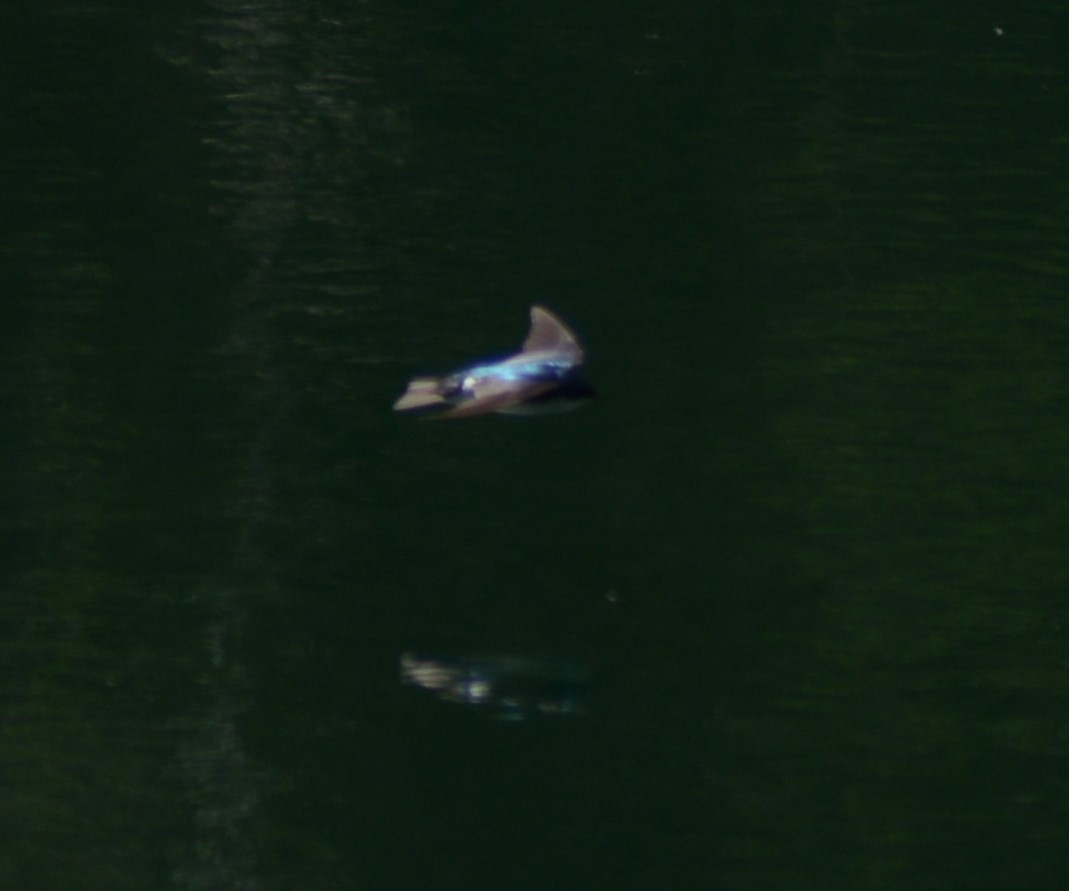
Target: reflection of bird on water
point(507, 686)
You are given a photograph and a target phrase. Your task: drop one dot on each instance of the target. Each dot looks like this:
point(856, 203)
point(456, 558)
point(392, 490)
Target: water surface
point(805, 551)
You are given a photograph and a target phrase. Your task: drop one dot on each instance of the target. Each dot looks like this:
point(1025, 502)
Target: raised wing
point(550, 334)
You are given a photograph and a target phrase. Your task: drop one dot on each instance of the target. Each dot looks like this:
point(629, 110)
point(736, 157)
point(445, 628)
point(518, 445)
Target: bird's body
point(543, 376)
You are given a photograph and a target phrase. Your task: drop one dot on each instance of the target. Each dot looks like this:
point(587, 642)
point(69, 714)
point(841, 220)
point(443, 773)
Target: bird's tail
point(421, 392)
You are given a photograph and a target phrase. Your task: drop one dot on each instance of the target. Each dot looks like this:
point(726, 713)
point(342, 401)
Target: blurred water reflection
point(508, 687)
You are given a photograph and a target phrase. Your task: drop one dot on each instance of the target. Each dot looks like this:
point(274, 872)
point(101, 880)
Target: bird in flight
point(542, 377)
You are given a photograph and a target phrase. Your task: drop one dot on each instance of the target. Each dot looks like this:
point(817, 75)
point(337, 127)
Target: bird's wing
point(496, 395)
point(550, 334)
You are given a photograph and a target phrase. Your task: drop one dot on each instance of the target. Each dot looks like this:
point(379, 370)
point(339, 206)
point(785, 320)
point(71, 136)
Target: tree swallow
point(543, 376)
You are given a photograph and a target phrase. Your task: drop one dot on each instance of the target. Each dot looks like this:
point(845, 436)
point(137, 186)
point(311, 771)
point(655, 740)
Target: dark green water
point(809, 543)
